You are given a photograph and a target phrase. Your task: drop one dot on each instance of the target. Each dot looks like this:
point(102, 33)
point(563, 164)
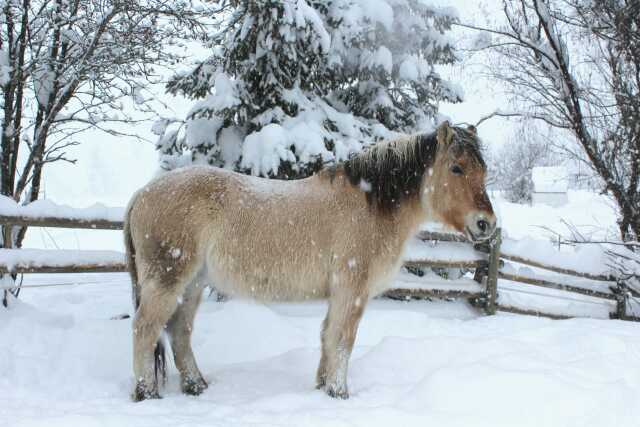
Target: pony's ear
point(444, 133)
point(472, 129)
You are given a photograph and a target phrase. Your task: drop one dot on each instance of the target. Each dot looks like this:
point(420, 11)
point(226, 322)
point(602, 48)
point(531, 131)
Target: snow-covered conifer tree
point(292, 85)
point(388, 52)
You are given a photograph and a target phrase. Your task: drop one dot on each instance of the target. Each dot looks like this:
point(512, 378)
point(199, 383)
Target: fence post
point(621, 305)
point(492, 278)
point(7, 243)
point(482, 270)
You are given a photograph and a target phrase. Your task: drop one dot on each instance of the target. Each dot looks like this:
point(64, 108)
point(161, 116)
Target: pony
point(338, 235)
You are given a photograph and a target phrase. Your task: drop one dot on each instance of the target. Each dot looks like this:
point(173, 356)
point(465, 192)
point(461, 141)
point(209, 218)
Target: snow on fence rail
point(44, 213)
point(60, 261)
point(430, 250)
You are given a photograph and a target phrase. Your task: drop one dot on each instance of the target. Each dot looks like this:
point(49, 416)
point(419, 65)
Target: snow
point(263, 150)
point(585, 258)
point(27, 258)
point(441, 251)
point(379, 11)
point(550, 179)
point(137, 95)
point(65, 362)
point(46, 208)
point(592, 215)
point(306, 14)
point(304, 134)
point(225, 95)
point(537, 273)
point(414, 68)
point(5, 67)
point(364, 185)
point(230, 146)
point(382, 58)
point(553, 301)
point(202, 130)
point(432, 281)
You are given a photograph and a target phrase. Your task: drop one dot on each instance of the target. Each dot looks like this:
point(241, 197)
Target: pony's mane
point(468, 140)
point(391, 172)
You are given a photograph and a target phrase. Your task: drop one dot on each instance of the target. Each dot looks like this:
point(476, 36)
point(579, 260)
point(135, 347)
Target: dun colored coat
point(337, 235)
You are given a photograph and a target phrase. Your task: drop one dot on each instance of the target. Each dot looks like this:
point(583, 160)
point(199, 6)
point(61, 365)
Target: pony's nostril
point(483, 225)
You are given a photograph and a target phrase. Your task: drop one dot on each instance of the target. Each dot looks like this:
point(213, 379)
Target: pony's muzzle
point(480, 226)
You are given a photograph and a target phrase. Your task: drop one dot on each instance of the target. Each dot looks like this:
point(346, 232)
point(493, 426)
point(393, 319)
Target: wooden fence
point(488, 265)
point(491, 269)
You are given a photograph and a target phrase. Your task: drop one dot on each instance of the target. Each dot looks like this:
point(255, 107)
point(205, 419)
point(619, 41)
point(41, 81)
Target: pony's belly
point(384, 277)
point(269, 287)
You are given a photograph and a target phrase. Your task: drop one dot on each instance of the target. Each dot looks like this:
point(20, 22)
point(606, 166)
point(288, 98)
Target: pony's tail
point(130, 260)
point(160, 354)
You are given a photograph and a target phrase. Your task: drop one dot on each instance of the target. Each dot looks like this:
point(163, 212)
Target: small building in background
point(550, 184)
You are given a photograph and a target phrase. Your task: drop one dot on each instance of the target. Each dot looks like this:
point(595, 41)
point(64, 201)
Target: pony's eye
point(456, 170)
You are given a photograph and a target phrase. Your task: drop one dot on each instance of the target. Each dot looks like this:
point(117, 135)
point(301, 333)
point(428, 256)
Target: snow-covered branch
point(68, 66)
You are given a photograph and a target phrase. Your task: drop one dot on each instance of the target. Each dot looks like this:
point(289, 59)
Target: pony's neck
point(402, 222)
point(409, 216)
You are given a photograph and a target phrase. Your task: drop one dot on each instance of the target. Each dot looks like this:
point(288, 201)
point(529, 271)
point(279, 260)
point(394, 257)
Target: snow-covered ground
point(65, 357)
point(65, 362)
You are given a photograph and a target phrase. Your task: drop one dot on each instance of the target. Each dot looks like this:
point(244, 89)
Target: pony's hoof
point(141, 393)
point(194, 387)
point(337, 392)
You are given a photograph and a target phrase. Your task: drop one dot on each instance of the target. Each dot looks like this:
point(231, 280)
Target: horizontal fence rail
point(435, 263)
point(554, 285)
point(58, 222)
point(488, 268)
point(17, 261)
point(77, 268)
point(410, 293)
point(555, 269)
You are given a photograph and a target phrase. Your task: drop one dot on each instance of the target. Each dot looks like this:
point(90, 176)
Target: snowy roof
point(549, 179)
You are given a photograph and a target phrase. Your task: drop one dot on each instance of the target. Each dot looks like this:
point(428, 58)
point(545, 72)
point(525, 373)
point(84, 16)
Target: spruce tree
point(292, 85)
point(388, 52)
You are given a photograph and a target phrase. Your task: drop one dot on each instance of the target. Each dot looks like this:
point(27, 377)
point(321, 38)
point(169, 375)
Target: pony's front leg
point(346, 305)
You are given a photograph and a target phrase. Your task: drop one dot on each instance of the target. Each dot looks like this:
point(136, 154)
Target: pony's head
point(454, 185)
point(443, 171)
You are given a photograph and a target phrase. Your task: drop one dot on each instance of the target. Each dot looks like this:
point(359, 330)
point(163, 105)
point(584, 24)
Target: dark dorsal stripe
point(392, 172)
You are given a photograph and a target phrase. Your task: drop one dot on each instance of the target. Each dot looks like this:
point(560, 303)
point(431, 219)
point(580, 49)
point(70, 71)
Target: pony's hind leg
point(180, 328)
point(157, 304)
point(346, 306)
point(321, 375)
